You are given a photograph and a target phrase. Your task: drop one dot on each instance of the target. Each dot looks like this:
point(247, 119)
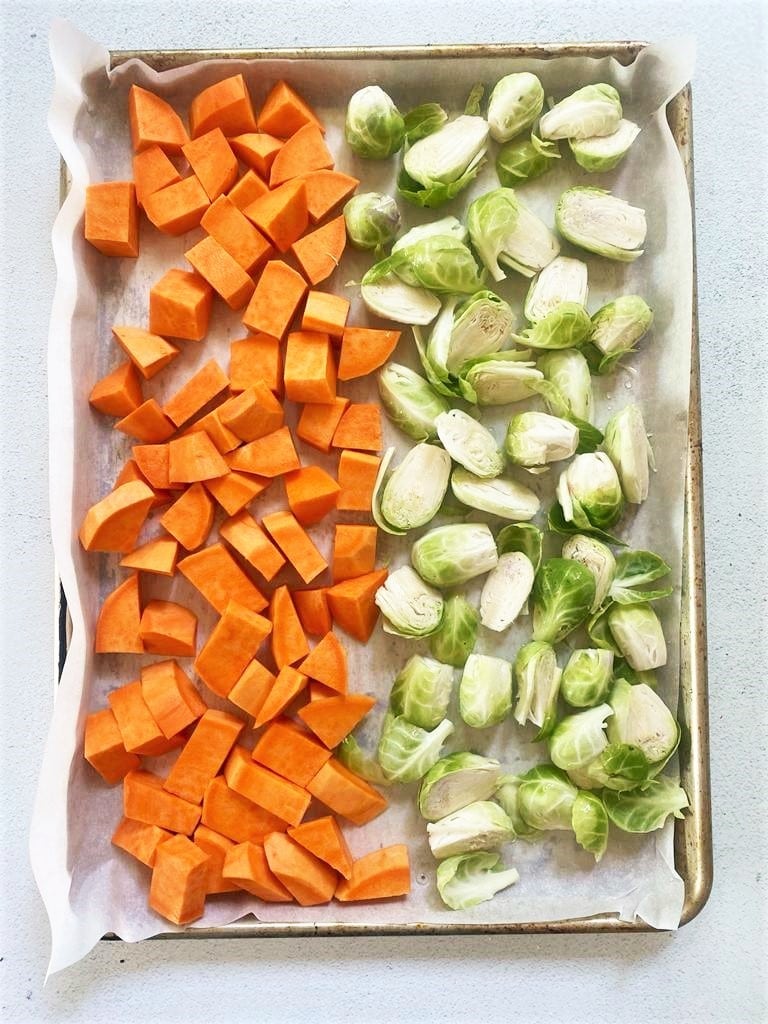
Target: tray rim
point(693, 834)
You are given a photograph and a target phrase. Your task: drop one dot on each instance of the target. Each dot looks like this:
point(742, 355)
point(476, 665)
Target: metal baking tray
point(693, 833)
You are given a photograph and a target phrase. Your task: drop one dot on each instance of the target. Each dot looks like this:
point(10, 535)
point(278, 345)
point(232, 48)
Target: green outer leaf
point(633, 568)
point(378, 489)
point(524, 537)
point(422, 121)
point(474, 99)
point(432, 377)
point(352, 756)
point(406, 752)
point(524, 160)
point(598, 630)
point(647, 810)
point(625, 760)
point(467, 879)
point(562, 595)
point(396, 410)
point(628, 596)
point(421, 692)
point(568, 325)
point(454, 640)
point(622, 670)
point(557, 522)
point(508, 797)
point(589, 819)
point(437, 193)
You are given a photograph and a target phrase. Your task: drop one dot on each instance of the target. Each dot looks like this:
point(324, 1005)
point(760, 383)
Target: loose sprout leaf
point(599, 632)
point(562, 596)
point(589, 820)
point(471, 878)
point(525, 160)
point(634, 568)
point(422, 121)
point(524, 537)
point(434, 380)
point(407, 752)
point(352, 756)
point(558, 524)
point(568, 325)
point(474, 100)
point(646, 810)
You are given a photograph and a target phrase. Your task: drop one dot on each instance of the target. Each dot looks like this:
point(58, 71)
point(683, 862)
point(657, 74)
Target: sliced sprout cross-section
point(505, 592)
point(514, 104)
point(469, 443)
point(604, 152)
point(538, 684)
point(410, 402)
point(598, 558)
point(455, 781)
point(599, 222)
point(536, 438)
point(410, 607)
point(628, 447)
point(412, 495)
point(502, 230)
point(481, 825)
point(500, 497)
point(591, 110)
point(471, 878)
point(563, 280)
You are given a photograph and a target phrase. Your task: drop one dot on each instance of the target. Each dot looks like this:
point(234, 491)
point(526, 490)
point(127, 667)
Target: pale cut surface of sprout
point(604, 152)
point(447, 153)
point(469, 443)
point(455, 781)
point(536, 438)
point(538, 683)
point(589, 492)
point(641, 719)
point(481, 825)
point(505, 591)
point(472, 878)
point(628, 448)
point(411, 607)
point(448, 556)
point(500, 497)
point(568, 370)
point(445, 226)
point(410, 402)
point(502, 230)
point(596, 557)
point(415, 490)
point(592, 110)
point(620, 324)
point(392, 299)
point(601, 223)
point(565, 279)
point(481, 326)
point(514, 105)
point(501, 381)
point(530, 246)
point(578, 739)
point(638, 635)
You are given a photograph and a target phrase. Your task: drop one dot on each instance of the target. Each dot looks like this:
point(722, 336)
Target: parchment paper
point(90, 888)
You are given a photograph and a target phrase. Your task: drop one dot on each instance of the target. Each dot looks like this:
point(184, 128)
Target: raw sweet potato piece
point(312, 609)
point(104, 747)
point(258, 150)
point(246, 868)
point(284, 112)
point(218, 577)
point(217, 847)
point(139, 839)
point(180, 305)
point(378, 875)
point(112, 220)
point(171, 697)
point(154, 122)
point(213, 162)
point(326, 189)
point(148, 423)
point(194, 457)
point(364, 350)
point(157, 556)
point(287, 686)
point(248, 189)
point(352, 604)
point(190, 517)
point(223, 439)
point(234, 641)
point(245, 535)
point(117, 628)
point(305, 151)
point(311, 494)
point(221, 271)
point(275, 794)
point(354, 551)
point(325, 313)
point(270, 456)
point(319, 692)
point(235, 233)
point(282, 215)
point(346, 794)
point(140, 732)
point(114, 523)
point(295, 543)
point(236, 490)
point(168, 628)
point(179, 881)
point(324, 839)
point(290, 752)
point(334, 718)
point(308, 879)
point(327, 663)
point(255, 360)
point(225, 105)
point(200, 389)
point(289, 644)
point(152, 170)
point(317, 423)
point(205, 752)
point(359, 428)
point(320, 252)
point(152, 460)
point(310, 371)
point(119, 393)
point(357, 478)
point(177, 208)
point(253, 413)
point(251, 689)
point(276, 298)
point(148, 352)
point(235, 817)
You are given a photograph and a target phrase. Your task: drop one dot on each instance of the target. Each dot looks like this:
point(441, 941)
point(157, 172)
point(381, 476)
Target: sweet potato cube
point(248, 189)
point(157, 556)
point(327, 663)
point(284, 112)
point(353, 606)
point(251, 689)
point(152, 460)
point(255, 360)
point(234, 641)
point(104, 747)
point(325, 313)
point(281, 215)
point(364, 350)
point(179, 881)
point(225, 222)
point(225, 105)
point(312, 609)
point(324, 839)
point(144, 799)
point(114, 523)
point(117, 627)
point(217, 847)
point(236, 817)
point(295, 543)
point(288, 685)
point(319, 253)
point(148, 423)
point(139, 839)
point(290, 752)
point(253, 413)
point(194, 457)
point(221, 271)
point(318, 422)
point(177, 208)
point(111, 218)
point(140, 732)
point(180, 305)
point(148, 352)
point(307, 878)
point(333, 718)
point(211, 158)
point(154, 122)
point(152, 171)
point(203, 755)
point(190, 517)
point(310, 370)
point(378, 875)
point(271, 455)
point(119, 393)
point(359, 428)
point(357, 478)
point(275, 300)
point(305, 151)
point(246, 868)
point(275, 794)
point(354, 551)
point(326, 189)
point(168, 628)
point(258, 150)
point(236, 490)
point(223, 439)
point(200, 389)
point(218, 577)
point(244, 534)
point(171, 697)
point(289, 644)
point(346, 794)
point(311, 494)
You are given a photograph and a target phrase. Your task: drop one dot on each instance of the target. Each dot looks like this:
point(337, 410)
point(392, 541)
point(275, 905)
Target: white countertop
point(712, 970)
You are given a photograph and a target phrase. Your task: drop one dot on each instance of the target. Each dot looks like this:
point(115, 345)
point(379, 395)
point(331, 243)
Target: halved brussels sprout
point(387, 296)
point(455, 781)
point(439, 166)
point(641, 719)
point(508, 796)
point(604, 152)
point(481, 325)
point(568, 371)
point(374, 127)
point(410, 402)
point(352, 756)
point(563, 280)
point(523, 537)
point(409, 606)
point(451, 555)
point(449, 225)
point(499, 379)
point(414, 492)
point(587, 677)
point(455, 640)
point(439, 263)
point(514, 105)
point(648, 809)
point(505, 591)
point(481, 825)
point(598, 558)
point(599, 222)
point(501, 497)
point(538, 684)
point(472, 878)
point(525, 160)
point(536, 438)
point(469, 443)
point(485, 691)
point(621, 767)
point(562, 595)
point(589, 492)
point(628, 447)
point(421, 691)
point(502, 230)
point(578, 739)
point(592, 110)
point(546, 798)
point(407, 752)
point(638, 635)
point(589, 820)
point(568, 325)
point(372, 220)
point(618, 326)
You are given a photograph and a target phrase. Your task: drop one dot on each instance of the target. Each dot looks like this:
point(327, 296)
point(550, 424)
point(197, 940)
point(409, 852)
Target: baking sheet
point(90, 889)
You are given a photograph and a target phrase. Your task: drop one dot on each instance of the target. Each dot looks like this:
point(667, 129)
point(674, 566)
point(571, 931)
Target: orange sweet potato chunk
point(275, 300)
point(233, 643)
point(104, 747)
point(179, 881)
point(190, 517)
point(258, 150)
point(139, 839)
point(213, 162)
point(218, 577)
point(229, 226)
point(255, 360)
point(217, 847)
point(117, 628)
point(307, 878)
point(112, 220)
point(168, 628)
point(154, 122)
point(178, 207)
point(357, 478)
point(310, 369)
point(203, 755)
point(197, 391)
point(180, 305)
point(152, 170)
point(225, 105)
point(119, 393)
point(281, 214)
point(305, 151)
point(171, 697)
point(114, 523)
point(284, 112)
point(247, 868)
point(236, 817)
point(319, 253)
point(380, 874)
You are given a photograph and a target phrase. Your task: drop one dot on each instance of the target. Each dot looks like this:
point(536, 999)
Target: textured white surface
point(712, 970)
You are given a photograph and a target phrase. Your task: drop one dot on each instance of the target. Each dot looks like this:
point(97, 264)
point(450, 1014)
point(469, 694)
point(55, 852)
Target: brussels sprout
point(601, 223)
point(568, 372)
point(421, 691)
point(641, 719)
point(524, 537)
point(628, 448)
point(482, 825)
point(638, 635)
point(387, 296)
point(592, 110)
point(589, 492)
point(578, 739)
point(508, 796)
point(455, 781)
point(352, 756)
point(514, 104)
point(472, 878)
point(646, 810)
point(505, 498)
point(455, 640)
point(372, 220)
point(589, 821)
point(599, 632)
point(439, 263)
point(621, 670)
point(568, 325)
point(617, 327)
point(604, 152)
point(409, 606)
point(621, 767)
point(546, 798)
point(469, 443)
point(485, 691)
point(525, 160)
point(587, 677)
point(502, 230)
point(505, 591)
point(410, 402)
point(413, 494)
point(451, 555)
point(536, 438)
point(439, 166)
point(538, 684)
point(633, 569)
point(499, 379)
point(562, 595)
point(481, 325)
point(374, 127)
point(563, 280)
point(422, 121)
point(407, 752)
point(597, 558)
point(382, 477)
point(446, 226)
